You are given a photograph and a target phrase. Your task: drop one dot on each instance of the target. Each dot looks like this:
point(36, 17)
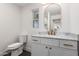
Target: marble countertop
point(57, 37)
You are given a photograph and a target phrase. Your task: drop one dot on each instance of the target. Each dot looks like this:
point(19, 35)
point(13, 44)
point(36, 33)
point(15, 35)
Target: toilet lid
point(14, 45)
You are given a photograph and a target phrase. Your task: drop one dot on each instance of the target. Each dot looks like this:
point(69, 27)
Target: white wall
point(10, 24)
point(65, 18)
point(70, 17)
point(74, 18)
point(27, 24)
point(27, 27)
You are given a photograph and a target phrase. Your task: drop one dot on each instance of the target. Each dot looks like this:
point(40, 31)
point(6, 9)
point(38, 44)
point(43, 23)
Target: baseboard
point(3, 53)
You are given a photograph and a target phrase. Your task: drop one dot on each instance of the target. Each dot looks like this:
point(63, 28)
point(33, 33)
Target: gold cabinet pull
point(35, 40)
point(68, 45)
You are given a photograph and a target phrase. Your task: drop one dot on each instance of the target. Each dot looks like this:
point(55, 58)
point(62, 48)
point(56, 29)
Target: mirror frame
point(48, 25)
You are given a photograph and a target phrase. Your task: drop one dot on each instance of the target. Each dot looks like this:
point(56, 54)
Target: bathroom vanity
point(49, 45)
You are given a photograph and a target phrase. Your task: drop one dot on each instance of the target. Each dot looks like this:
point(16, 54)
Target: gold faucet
point(51, 32)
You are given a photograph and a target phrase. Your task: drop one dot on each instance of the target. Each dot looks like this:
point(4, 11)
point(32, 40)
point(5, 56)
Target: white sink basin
point(14, 46)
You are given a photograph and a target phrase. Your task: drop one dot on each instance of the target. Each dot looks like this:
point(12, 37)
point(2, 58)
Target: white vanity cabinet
point(65, 52)
point(68, 48)
point(39, 50)
point(43, 46)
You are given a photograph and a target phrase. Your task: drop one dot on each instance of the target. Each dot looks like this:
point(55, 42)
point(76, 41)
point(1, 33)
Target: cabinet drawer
point(53, 42)
point(68, 44)
point(43, 40)
point(35, 40)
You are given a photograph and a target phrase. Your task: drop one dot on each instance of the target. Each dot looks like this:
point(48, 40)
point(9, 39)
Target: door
point(39, 50)
point(57, 51)
point(53, 51)
point(66, 52)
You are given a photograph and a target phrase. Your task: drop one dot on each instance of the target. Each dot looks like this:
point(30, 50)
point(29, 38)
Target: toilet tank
point(23, 38)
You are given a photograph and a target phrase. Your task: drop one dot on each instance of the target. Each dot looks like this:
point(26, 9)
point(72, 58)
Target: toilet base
point(17, 52)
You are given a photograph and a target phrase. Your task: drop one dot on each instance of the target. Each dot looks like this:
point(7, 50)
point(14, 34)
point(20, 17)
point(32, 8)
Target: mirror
point(52, 17)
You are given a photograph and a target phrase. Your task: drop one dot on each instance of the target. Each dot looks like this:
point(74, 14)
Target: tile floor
point(24, 53)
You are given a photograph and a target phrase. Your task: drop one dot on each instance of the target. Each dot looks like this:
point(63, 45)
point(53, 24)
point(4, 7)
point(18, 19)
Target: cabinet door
point(39, 50)
point(66, 52)
point(53, 51)
point(56, 51)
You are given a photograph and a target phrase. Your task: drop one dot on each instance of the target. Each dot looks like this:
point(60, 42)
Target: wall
point(65, 12)
point(74, 18)
point(10, 24)
point(27, 22)
point(70, 17)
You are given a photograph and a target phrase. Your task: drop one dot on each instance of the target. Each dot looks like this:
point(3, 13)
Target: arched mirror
point(52, 18)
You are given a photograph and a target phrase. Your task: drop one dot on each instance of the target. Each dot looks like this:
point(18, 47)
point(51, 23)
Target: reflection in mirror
point(52, 18)
point(35, 13)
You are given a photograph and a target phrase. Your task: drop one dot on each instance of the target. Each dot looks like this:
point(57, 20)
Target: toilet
point(17, 48)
